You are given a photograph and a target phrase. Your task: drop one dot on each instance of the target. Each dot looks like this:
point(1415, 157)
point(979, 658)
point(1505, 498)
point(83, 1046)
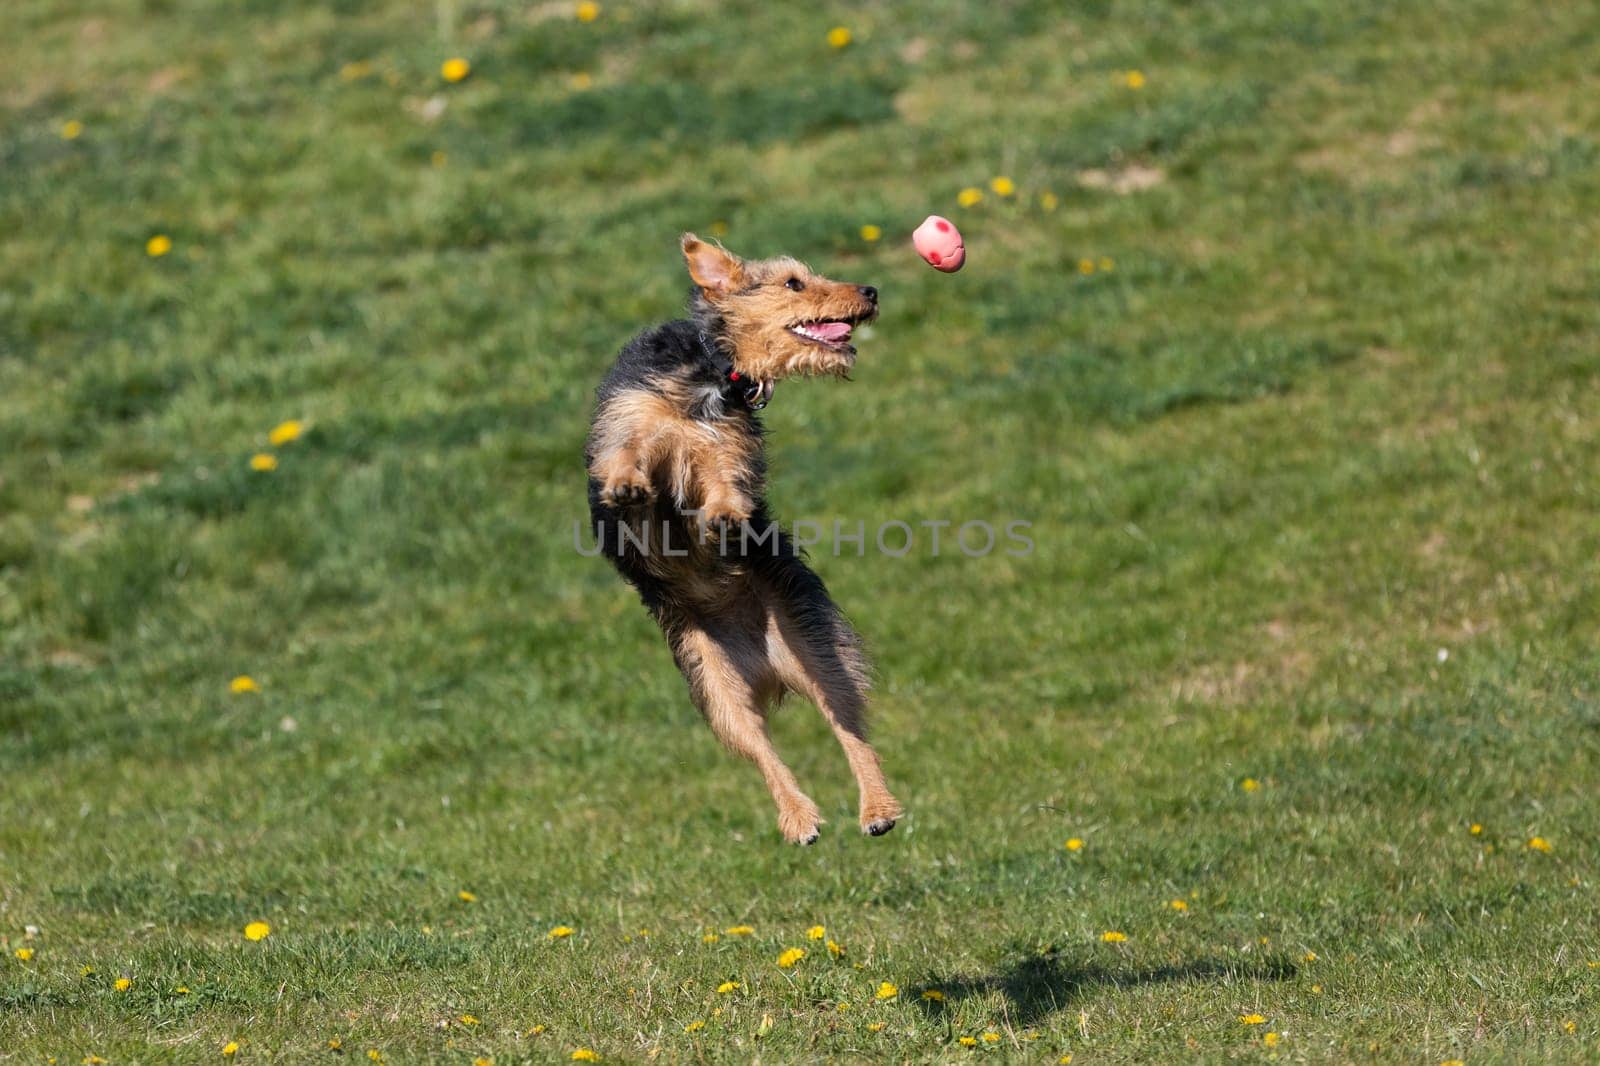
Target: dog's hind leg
point(731, 682)
point(818, 655)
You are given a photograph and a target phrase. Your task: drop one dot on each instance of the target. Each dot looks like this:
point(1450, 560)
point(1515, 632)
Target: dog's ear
point(712, 266)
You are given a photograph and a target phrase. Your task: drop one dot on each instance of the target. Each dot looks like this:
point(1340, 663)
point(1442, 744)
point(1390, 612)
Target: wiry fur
point(675, 455)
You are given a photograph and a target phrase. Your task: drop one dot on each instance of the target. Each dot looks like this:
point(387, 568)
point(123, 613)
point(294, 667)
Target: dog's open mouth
point(831, 333)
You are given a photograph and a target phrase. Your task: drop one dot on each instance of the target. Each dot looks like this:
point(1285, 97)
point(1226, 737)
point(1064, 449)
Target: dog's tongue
point(832, 331)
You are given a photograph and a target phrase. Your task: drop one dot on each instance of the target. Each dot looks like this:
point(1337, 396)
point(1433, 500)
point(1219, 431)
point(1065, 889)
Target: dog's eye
point(794, 285)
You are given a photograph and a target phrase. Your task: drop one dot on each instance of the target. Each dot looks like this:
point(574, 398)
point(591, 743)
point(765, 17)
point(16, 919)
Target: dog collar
point(754, 393)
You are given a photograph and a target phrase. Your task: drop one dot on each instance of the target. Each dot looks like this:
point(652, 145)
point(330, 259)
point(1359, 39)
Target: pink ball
point(939, 242)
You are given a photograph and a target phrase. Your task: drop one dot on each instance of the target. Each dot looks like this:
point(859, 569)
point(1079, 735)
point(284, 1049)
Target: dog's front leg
point(623, 479)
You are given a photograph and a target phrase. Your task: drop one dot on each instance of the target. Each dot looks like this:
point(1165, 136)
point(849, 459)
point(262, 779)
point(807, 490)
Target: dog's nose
point(869, 292)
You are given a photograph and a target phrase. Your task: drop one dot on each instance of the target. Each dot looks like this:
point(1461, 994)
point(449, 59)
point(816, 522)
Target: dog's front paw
point(722, 522)
point(725, 525)
point(625, 492)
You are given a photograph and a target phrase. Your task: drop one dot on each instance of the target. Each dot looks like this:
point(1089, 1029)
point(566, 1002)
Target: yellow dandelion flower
point(122, 984)
point(694, 1026)
point(991, 1037)
point(1475, 829)
point(1316, 990)
point(242, 684)
point(933, 995)
point(644, 932)
point(455, 69)
point(1064, 1060)
point(1453, 1062)
point(560, 932)
point(158, 246)
point(1107, 263)
point(355, 70)
point(1252, 1019)
point(1310, 956)
point(842, 1007)
point(870, 233)
point(887, 990)
point(583, 1054)
point(587, 11)
point(835, 949)
point(1179, 905)
point(374, 1054)
point(466, 897)
point(876, 1027)
point(1003, 186)
point(93, 1060)
point(483, 1060)
point(71, 130)
point(230, 1049)
point(967, 1041)
point(1111, 936)
point(739, 930)
point(1074, 844)
point(1250, 784)
point(335, 1044)
point(1049, 200)
point(1271, 1039)
point(24, 954)
point(535, 1031)
point(468, 1019)
point(1569, 1027)
point(263, 462)
point(182, 990)
point(710, 938)
point(790, 957)
point(727, 986)
point(85, 971)
point(1133, 79)
point(971, 196)
point(1086, 266)
point(582, 81)
point(257, 931)
point(1540, 844)
point(839, 36)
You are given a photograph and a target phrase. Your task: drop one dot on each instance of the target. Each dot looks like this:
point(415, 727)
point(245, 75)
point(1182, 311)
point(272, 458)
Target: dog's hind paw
point(878, 818)
point(799, 822)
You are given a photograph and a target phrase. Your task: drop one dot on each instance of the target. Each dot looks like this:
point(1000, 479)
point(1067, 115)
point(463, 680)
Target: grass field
point(1285, 341)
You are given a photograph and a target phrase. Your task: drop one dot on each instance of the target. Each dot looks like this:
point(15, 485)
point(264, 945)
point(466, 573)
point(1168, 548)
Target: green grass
point(1311, 471)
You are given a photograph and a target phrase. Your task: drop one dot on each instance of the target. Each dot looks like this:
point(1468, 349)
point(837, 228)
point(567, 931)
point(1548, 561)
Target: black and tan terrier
point(676, 493)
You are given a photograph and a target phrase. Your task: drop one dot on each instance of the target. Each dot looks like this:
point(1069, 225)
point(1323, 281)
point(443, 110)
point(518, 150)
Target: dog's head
point(775, 317)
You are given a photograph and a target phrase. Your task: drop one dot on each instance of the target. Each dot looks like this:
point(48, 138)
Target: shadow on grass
point(1039, 984)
